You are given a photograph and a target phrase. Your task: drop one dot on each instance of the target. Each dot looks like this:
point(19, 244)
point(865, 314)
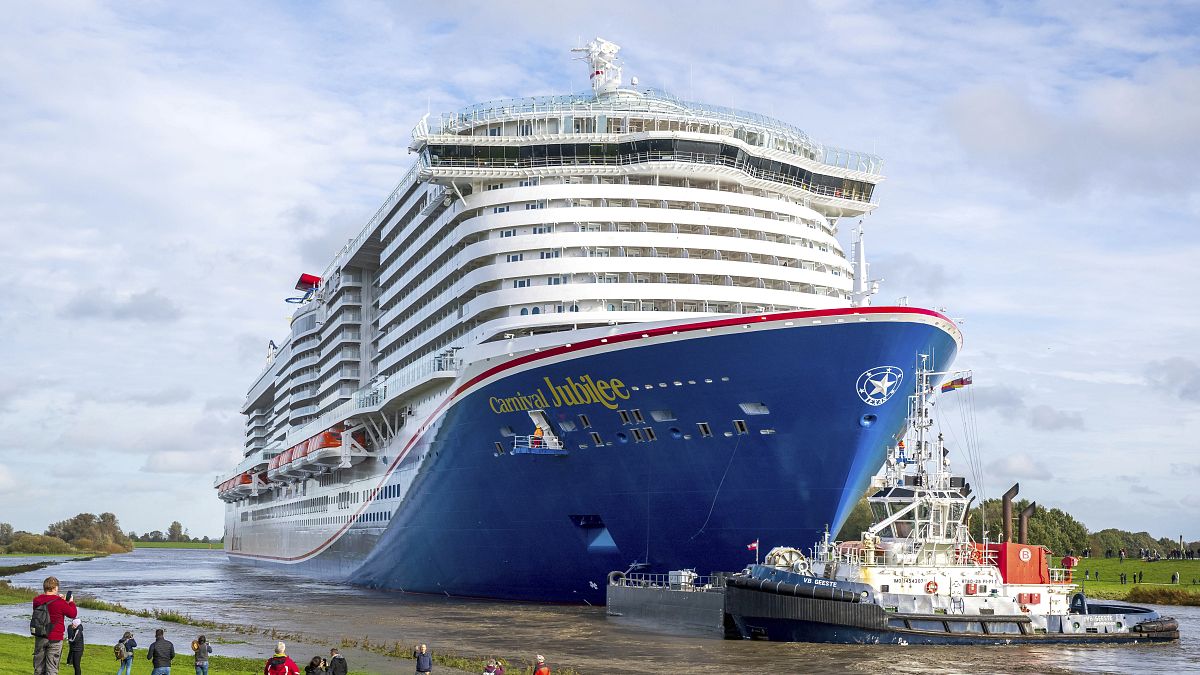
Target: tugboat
point(917, 577)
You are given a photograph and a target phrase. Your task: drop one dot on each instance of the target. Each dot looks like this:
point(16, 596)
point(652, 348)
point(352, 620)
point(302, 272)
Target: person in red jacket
point(47, 650)
point(541, 668)
point(281, 663)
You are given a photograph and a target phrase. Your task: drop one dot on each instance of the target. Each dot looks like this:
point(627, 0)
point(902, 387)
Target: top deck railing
point(657, 103)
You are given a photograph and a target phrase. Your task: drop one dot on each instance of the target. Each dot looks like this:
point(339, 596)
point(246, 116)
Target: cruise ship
point(603, 331)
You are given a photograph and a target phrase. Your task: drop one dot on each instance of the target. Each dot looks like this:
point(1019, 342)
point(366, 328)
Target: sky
point(168, 169)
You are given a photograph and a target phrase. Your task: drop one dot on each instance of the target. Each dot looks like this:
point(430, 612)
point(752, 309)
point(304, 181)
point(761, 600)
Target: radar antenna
point(601, 56)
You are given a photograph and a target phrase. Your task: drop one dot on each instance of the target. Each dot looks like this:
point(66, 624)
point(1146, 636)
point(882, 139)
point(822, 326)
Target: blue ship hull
point(478, 522)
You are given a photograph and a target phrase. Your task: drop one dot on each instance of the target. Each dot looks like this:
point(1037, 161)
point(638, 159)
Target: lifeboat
point(325, 449)
point(275, 468)
point(225, 491)
point(293, 468)
point(243, 486)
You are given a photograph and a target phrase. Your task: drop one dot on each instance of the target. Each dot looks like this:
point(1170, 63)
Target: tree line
point(85, 532)
point(175, 532)
point(1053, 528)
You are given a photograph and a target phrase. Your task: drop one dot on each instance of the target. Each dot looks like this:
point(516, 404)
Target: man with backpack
point(281, 663)
point(47, 627)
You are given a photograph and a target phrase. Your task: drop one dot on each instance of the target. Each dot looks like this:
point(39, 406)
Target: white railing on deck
point(652, 156)
point(403, 379)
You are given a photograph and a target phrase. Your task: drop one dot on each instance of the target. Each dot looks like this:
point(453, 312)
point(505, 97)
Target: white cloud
point(167, 170)
point(1020, 466)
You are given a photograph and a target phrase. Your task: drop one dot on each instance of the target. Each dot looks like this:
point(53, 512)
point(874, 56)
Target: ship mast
point(601, 55)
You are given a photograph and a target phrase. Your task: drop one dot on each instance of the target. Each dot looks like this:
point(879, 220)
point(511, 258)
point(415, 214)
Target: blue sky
point(167, 170)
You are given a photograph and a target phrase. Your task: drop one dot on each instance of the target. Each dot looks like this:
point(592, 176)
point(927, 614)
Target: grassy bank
point(176, 544)
point(1155, 586)
point(15, 659)
point(394, 648)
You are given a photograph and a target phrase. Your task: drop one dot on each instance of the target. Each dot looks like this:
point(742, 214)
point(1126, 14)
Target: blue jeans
point(165, 670)
point(126, 666)
point(201, 669)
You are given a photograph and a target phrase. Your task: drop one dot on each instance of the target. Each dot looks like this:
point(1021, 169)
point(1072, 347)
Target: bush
point(24, 542)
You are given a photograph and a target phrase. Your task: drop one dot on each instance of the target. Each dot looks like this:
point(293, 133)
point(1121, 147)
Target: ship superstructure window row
point(480, 156)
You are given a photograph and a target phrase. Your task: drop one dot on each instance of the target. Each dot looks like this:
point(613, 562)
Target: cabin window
point(583, 419)
point(705, 429)
point(596, 439)
point(650, 434)
point(637, 415)
point(740, 425)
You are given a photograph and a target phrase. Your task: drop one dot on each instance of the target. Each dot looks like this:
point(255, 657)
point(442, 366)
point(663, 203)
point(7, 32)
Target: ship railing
point(401, 380)
point(654, 156)
point(673, 581)
point(537, 445)
point(659, 105)
point(1060, 575)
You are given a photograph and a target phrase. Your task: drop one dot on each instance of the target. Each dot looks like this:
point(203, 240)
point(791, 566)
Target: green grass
point(176, 544)
point(1155, 588)
point(16, 659)
point(12, 595)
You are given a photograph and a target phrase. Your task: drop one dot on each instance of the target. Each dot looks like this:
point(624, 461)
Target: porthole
point(621, 437)
point(866, 421)
point(676, 432)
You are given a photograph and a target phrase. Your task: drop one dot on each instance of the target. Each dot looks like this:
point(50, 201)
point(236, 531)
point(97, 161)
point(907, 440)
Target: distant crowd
point(50, 630)
point(1145, 554)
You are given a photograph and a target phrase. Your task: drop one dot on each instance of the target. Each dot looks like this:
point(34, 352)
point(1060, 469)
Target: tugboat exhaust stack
point(1007, 501)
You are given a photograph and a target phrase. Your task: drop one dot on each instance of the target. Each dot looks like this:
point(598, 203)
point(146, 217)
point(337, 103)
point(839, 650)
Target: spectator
point(160, 654)
point(337, 663)
point(75, 639)
point(541, 668)
point(128, 644)
point(315, 667)
point(47, 644)
point(281, 663)
point(201, 649)
point(424, 659)
point(493, 668)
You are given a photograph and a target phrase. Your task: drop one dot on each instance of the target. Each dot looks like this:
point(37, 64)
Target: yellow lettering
point(618, 389)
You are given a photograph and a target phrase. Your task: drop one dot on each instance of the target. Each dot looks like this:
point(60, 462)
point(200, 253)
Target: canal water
point(204, 584)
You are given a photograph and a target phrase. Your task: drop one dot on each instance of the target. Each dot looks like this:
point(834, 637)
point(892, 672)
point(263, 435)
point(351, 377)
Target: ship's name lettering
point(821, 582)
point(582, 390)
